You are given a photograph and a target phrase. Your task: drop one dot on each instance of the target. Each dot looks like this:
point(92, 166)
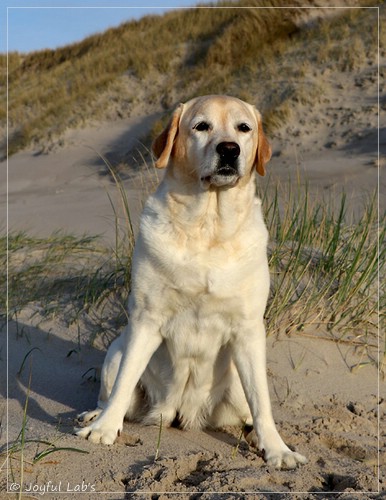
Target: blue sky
point(38, 24)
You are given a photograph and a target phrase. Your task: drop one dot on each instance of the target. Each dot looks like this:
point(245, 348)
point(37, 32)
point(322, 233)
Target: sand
point(326, 402)
point(323, 408)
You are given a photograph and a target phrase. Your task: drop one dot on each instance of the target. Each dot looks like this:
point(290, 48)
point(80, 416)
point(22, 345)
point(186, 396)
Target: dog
point(194, 350)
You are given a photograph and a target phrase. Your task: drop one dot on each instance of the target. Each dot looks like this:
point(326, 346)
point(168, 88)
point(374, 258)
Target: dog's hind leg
point(232, 408)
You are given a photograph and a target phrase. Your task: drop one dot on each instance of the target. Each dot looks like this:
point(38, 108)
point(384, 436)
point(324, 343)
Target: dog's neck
point(215, 214)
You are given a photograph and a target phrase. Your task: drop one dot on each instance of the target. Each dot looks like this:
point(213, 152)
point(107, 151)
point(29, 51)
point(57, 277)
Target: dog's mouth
point(224, 175)
point(219, 181)
point(226, 170)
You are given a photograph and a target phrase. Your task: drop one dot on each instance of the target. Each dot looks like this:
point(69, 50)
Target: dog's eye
point(202, 126)
point(243, 127)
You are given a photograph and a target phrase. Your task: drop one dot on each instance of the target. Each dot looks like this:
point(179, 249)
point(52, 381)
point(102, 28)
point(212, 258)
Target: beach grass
point(325, 270)
point(60, 276)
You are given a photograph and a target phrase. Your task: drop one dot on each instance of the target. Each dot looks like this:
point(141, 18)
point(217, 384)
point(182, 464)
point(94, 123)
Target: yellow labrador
point(194, 349)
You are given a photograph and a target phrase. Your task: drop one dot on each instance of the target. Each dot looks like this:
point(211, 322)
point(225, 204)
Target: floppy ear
point(163, 144)
point(264, 151)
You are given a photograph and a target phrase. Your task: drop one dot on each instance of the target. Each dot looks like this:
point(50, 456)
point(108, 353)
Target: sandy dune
point(326, 403)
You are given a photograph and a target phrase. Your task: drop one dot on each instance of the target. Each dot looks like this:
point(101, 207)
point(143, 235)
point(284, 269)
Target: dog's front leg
point(250, 358)
point(140, 344)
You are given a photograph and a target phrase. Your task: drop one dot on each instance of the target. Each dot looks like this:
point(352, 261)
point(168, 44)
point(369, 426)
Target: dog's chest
point(214, 273)
point(201, 300)
point(198, 288)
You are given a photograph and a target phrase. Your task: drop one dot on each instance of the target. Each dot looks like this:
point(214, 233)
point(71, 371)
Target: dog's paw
point(284, 459)
point(99, 432)
point(275, 452)
point(87, 416)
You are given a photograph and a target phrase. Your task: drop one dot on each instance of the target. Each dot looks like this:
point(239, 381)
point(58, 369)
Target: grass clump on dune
point(64, 277)
point(324, 269)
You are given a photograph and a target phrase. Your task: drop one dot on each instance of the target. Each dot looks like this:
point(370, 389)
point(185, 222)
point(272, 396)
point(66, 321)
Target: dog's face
point(214, 139)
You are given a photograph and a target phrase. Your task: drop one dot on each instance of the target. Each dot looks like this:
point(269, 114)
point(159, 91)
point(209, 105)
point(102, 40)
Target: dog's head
point(216, 139)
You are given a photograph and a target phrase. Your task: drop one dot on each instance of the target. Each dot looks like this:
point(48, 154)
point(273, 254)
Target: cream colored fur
point(194, 347)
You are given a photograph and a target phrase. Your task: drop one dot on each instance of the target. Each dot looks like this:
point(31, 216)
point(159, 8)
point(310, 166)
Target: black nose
point(228, 151)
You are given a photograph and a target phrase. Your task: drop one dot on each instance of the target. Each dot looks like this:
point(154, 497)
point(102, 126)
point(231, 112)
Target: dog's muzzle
point(226, 172)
